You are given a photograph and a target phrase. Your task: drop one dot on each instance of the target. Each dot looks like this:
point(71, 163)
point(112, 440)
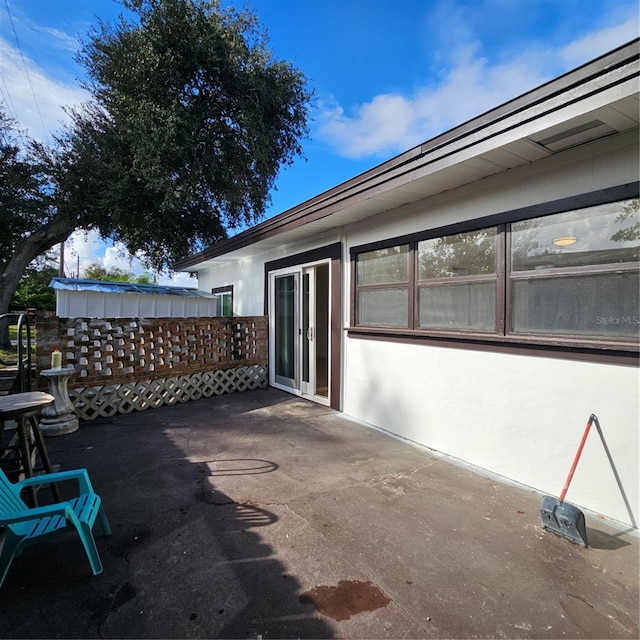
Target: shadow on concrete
point(262, 515)
point(602, 540)
point(184, 560)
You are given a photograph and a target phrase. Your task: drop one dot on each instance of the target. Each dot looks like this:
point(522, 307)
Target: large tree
point(24, 214)
point(191, 118)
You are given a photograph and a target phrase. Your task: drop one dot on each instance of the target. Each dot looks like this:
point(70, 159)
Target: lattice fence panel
point(102, 402)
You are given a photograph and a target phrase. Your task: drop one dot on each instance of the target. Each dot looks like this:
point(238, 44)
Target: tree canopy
point(190, 120)
point(115, 274)
point(34, 291)
point(22, 197)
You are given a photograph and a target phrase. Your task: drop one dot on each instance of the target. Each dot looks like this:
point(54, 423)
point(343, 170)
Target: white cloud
point(85, 248)
point(178, 280)
point(594, 44)
point(117, 257)
point(33, 97)
point(391, 123)
point(58, 38)
point(82, 249)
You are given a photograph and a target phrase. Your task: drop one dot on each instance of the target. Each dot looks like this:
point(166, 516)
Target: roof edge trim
point(297, 215)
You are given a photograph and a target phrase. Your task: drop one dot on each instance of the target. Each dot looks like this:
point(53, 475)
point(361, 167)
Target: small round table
point(25, 409)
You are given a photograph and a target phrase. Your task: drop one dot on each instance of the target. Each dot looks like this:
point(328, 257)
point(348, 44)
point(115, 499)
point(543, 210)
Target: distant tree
point(460, 254)
point(34, 291)
point(97, 272)
point(191, 119)
point(629, 217)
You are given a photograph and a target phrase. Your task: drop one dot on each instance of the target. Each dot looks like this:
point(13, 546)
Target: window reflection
point(605, 234)
point(384, 266)
point(462, 254)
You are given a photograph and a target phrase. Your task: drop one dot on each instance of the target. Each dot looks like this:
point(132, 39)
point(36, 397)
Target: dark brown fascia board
point(311, 209)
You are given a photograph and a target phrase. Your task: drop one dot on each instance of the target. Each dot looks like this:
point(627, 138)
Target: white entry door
point(299, 331)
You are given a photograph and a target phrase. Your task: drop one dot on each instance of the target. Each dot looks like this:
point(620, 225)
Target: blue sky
point(388, 74)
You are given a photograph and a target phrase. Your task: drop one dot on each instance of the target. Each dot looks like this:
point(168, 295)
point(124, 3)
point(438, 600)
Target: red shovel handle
point(575, 460)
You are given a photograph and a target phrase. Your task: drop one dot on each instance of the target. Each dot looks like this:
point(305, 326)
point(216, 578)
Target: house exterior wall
point(248, 277)
point(520, 416)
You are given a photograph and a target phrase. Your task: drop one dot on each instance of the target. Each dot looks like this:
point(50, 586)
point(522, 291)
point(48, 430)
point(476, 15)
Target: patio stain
point(347, 599)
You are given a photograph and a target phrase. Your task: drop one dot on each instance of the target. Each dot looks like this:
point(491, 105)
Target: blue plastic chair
point(25, 526)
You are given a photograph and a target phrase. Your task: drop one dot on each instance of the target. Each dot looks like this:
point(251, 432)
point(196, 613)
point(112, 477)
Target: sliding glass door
point(299, 331)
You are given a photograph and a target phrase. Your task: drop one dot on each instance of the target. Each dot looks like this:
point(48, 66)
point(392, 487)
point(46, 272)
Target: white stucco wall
point(247, 274)
point(518, 416)
point(247, 278)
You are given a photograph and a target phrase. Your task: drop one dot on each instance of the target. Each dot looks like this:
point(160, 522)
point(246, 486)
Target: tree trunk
point(28, 249)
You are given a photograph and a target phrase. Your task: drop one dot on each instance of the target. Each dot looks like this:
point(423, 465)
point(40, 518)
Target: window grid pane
point(599, 305)
point(602, 235)
point(383, 307)
point(384, 266)
point(463, 306)
point(462, 254)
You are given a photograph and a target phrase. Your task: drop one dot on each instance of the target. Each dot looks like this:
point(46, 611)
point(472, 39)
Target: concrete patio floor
point(260, 515)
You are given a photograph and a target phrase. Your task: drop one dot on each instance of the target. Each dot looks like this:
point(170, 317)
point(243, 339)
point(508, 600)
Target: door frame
point(333, 254)
point(304, 338)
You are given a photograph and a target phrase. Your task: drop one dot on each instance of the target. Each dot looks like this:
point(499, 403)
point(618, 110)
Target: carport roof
point(72, 284)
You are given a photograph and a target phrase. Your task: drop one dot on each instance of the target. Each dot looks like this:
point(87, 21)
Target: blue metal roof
point(72, 284)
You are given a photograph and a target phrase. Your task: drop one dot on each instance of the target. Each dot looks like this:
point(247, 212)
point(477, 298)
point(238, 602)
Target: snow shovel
point(563, 518)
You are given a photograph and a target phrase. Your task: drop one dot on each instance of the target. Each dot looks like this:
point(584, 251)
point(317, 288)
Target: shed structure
point(98, 299)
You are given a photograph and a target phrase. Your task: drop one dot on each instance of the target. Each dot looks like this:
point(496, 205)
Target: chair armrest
point(59, 509)
point(81, 475)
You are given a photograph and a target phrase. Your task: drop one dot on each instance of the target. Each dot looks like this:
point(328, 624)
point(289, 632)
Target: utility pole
point(61, 270)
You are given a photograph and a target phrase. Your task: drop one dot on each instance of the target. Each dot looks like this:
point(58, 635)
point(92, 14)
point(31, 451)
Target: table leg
point(44, 455)
point(24, 443)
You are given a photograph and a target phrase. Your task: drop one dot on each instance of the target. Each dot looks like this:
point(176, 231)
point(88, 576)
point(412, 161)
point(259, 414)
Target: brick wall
point(121, 350)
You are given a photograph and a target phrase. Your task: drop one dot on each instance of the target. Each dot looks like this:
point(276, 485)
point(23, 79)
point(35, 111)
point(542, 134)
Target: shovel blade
point(563, 519)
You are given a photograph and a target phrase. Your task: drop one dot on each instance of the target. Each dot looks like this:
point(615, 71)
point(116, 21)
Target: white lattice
point(103, 402)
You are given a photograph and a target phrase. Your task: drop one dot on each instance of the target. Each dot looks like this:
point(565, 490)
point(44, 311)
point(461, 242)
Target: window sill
point(609, 351)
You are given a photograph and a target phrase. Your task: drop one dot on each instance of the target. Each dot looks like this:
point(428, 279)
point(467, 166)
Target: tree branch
point(53, 232)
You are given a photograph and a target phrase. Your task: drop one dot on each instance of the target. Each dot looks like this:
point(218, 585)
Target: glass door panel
point(307, 309)
point(321, 331)
point(286, 321)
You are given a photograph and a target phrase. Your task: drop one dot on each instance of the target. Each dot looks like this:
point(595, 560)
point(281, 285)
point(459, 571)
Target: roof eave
point(409, 161)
